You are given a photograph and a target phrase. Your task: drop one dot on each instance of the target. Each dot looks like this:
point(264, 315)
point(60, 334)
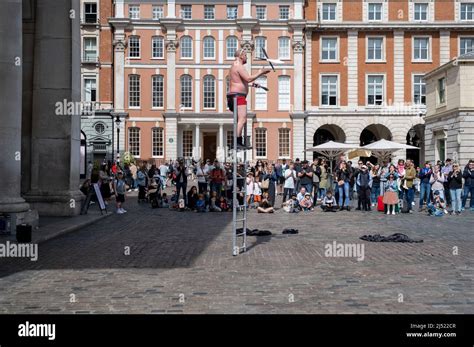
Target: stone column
point(197, 143)
point(221, 145)
point(298, 61)
point(55, 156)
point(11, 62)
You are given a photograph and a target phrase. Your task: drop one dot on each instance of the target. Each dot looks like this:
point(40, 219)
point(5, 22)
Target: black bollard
point(23, 233)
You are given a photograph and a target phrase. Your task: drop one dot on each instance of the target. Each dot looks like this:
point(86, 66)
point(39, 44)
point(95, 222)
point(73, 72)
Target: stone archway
point(327, 132)
point(416, 137)
point(372, 133)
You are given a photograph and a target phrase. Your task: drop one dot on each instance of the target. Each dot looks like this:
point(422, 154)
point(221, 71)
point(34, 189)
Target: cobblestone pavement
point(181, 262)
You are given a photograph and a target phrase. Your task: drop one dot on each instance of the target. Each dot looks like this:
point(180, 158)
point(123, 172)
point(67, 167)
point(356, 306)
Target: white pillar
point(220, 145)
point(197, 43)
point(298, 50)
point(444, 47)
point(399, 66)
point(352, 78)
point(119, 69)
point(119, 8)
point(247, 9)
point(220, 91)
point(298, 12)
point(171, 9)
point(197, 90)
point(197, 143)
point(11, 65)
point(171, 72)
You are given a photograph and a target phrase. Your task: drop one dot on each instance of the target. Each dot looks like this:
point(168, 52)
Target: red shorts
point(241, 100)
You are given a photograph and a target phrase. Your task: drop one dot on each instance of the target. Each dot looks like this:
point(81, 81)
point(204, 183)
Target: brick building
point(353, 71)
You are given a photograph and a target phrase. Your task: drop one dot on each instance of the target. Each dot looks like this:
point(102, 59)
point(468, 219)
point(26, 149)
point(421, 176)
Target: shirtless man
point(239, 84)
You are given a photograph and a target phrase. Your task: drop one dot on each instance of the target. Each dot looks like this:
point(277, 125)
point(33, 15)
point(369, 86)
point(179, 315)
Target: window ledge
point(376, 62)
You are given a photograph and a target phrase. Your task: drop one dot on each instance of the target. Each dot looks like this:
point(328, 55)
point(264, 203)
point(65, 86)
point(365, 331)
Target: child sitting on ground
point(329, 202)
point(201, 203)
point(438, 206)
point(223, 204)
point(291, 205)
point(265, 206)
point(307, 203)
point(213, 205)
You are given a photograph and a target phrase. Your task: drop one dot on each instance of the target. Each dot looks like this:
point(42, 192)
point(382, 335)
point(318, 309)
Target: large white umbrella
point(331, 150)
point(383, 149)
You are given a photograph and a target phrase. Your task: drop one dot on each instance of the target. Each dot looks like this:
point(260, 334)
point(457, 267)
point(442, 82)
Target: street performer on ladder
point(239, 84)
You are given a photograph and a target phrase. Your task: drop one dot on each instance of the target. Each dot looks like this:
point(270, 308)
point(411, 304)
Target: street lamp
point(117, 123)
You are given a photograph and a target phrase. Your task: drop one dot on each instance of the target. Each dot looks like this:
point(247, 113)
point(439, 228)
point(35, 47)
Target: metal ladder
point(237, 249)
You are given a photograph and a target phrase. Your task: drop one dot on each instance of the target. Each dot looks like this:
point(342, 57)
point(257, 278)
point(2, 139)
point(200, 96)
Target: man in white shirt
point(164, 169)
point(202, 174)
point(290, 181)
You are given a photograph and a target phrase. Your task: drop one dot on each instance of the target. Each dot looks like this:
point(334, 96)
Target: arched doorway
point(416, 137)
point(372, 133)
point(326, 133)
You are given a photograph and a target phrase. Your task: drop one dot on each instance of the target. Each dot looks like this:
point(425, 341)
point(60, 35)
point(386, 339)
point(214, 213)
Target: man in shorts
point(238, 86)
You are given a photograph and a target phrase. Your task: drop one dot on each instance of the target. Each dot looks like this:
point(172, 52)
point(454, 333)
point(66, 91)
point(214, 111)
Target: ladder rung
point(240, 220)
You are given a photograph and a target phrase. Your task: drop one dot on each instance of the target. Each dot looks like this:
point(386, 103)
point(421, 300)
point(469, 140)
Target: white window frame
point(130, 46)
point(384, 89)
point(206, 7)
point(429, 58)
point(413, 76)
point(335, 4)
point(181, 91)
point(182, 46)
point(139, 91)
point(289, 143)
point(383, 57)
point(257, 49)
point(85, 50)
point(438, 99)
point(156, 13)
point(159, 38)
point(321, 40)
point(321, 76)
point(462, 37)
point(265, 130)
point(90, 77)
point(90, 13)
point(231, 57)
point(162, 131)
point(280, 93)
point(134, 11)
point(382, 12)
point(261, 97)
point(427, 4)
point(207, 38)
point(228, 13)
point(264, 7)
point(466, 3)
point(287, 55)
point(191, 143)
point(138, 146)
point(214, 91)
point(153, 92)
point(280, 8)
point(182, 11)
